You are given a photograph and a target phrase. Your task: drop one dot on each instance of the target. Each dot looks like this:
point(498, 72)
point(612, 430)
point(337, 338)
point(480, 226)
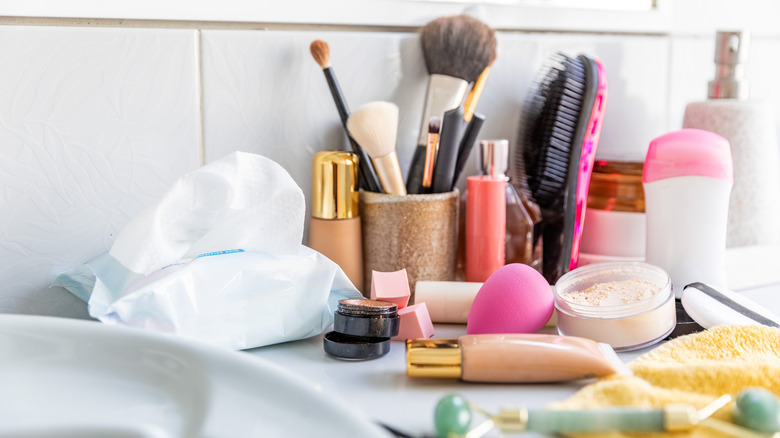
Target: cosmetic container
point(362, 329)
point(418, 233)
point(626, 325)
point(523, 238)
point(511, 358)
point(687, 179)
point(334, 229)
point(750, 128)
point(485, 226)
point(614, 227)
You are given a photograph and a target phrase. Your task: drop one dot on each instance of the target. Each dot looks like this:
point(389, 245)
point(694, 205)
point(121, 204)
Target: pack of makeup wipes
point(219, 259)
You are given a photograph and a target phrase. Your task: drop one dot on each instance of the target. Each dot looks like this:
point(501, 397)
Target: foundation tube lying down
point(511, 358)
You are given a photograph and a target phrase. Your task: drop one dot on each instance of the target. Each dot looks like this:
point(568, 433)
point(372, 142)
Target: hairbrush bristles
point(458, 46)
point(321, 52)
point(550, 124)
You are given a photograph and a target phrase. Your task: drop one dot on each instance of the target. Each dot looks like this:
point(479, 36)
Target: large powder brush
point(457, 50)
point(375, 126)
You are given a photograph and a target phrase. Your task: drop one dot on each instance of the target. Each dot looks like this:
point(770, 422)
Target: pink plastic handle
point(587, 158)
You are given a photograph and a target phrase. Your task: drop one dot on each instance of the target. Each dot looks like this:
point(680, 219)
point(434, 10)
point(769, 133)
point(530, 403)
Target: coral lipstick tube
point(334, 229)
point(485, 226)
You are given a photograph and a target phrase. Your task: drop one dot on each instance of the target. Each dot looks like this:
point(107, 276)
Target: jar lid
point(344, 346)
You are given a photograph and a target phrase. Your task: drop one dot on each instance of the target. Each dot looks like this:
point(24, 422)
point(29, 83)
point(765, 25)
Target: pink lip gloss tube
point(485, 226)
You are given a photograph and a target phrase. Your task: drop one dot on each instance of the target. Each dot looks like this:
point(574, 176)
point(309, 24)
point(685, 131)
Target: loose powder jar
point(628, 305)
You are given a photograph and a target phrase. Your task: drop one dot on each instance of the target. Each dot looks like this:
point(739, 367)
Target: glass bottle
point(523, 237)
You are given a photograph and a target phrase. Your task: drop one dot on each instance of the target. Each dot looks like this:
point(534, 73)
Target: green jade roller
point(454, 414)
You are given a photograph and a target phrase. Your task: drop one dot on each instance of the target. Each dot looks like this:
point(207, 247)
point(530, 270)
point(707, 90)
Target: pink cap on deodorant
point(688, 152)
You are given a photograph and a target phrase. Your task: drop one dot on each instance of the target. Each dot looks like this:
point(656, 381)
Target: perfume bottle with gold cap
point(334, 229)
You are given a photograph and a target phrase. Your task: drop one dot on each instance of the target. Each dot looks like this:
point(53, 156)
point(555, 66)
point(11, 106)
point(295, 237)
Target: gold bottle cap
point(439, 358)
point(334, 190)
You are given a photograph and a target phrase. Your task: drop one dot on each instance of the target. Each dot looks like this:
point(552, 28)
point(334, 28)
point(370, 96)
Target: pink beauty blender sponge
point(515, 299)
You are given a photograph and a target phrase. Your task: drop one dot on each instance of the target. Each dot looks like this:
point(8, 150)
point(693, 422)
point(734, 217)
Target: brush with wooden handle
point(375, 127)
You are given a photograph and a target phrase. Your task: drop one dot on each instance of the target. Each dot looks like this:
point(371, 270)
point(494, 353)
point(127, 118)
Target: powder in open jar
point(613, 293)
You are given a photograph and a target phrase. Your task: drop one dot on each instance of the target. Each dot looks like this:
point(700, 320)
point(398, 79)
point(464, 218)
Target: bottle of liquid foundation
point(511, 358)
point(334, 229)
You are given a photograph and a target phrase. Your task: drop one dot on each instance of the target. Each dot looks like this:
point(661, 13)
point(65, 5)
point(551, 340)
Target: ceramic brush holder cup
point(418, 233)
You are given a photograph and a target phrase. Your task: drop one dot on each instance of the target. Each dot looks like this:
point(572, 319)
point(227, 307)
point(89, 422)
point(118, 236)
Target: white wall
point(98, 117)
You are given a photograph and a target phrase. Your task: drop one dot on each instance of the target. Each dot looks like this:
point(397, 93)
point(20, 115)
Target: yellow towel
point(694, 370)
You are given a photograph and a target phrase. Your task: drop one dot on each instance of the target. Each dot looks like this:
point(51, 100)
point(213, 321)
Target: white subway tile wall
point(94, 124)
point(264, 93)
point(693, 66)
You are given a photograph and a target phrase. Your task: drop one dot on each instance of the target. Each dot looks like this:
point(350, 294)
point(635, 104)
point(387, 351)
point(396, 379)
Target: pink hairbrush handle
point(587, 158)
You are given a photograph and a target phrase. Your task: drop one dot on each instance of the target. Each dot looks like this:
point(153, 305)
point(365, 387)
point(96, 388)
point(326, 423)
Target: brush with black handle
point(367, 179)
point(456, 50)
point(452, 126)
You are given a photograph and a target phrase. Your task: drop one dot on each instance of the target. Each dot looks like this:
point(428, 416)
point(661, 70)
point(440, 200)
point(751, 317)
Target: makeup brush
point(320, 51)
point(467, 144)
point(476, 92)
point(375, 126)
point(434, 125)
point(452, 126)
point(456, 50)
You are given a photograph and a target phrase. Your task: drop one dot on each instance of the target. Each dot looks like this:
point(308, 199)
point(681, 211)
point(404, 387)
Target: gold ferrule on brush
point(430, 159)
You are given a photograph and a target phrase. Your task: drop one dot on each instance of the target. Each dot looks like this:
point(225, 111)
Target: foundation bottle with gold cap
point(334, 229)
point(511, 358)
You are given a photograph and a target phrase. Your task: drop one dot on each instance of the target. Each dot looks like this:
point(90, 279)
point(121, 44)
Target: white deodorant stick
point(687, 179)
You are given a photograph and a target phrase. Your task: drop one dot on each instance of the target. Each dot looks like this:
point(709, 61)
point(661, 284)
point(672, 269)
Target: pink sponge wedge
point(415, 323)
point(515, 299)
point(392, 287)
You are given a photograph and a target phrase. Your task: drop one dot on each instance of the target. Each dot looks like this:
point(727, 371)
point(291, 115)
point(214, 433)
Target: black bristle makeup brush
point(432, 147)
point(367, 179)
point(456, 50)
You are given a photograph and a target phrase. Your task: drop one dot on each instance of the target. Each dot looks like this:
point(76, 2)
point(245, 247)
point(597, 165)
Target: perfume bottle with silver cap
point(749, 127)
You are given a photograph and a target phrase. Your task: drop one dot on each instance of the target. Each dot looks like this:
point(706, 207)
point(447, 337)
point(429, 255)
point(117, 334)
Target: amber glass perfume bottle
point(523, 244)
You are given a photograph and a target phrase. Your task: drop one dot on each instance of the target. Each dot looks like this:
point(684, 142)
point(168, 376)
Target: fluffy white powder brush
point(374, 126)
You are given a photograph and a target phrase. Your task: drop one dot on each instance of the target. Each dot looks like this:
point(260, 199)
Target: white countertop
point(380, 389)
